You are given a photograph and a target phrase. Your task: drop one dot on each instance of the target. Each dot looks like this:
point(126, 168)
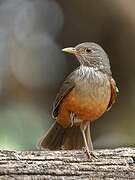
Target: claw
point(93, 155)
point(90, 154)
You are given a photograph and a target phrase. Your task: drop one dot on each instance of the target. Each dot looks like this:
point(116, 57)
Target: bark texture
point(111, 164)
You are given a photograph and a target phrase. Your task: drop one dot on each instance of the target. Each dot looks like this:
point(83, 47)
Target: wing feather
point(114, 91)
point(66, 87)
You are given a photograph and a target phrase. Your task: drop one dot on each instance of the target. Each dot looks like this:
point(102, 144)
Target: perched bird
point(85, 95)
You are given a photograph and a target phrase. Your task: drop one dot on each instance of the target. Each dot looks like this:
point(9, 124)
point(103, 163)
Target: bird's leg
point(88, 146)
point(89, 141)
point(83, 128)
point(72, 116)
point(88, 136)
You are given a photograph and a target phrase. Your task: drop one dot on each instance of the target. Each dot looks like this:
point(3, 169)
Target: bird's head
point(91, 55)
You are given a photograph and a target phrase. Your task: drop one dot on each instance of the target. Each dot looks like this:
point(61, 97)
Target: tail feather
point(53, 138)
point(58, 137)
point(73, 139)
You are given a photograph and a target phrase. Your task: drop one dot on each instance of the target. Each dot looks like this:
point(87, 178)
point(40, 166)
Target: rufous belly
point(85, 106)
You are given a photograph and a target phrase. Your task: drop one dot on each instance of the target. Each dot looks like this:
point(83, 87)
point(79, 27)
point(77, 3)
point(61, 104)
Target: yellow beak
point(69, 50)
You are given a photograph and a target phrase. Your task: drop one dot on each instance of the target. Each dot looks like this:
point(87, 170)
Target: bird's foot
point(90, 154)
point(72, 116)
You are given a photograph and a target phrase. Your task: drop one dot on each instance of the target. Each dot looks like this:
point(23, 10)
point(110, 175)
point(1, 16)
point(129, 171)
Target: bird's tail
point(58, 137)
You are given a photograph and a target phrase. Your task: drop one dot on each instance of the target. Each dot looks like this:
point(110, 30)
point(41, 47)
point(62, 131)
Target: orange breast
point(85, 108)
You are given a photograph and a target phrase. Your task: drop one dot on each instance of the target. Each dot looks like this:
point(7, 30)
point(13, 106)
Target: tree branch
point(111, 164)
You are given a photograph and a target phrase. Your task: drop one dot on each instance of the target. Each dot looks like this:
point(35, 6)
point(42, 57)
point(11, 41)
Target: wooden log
point(111, 164)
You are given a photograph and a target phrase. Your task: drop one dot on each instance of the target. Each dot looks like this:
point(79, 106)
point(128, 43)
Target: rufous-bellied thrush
point(85, 95)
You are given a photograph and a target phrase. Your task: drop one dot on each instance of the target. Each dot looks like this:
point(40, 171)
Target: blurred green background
point(32, 66)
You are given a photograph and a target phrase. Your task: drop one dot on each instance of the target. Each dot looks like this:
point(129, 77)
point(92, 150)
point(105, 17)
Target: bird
point(85, 95)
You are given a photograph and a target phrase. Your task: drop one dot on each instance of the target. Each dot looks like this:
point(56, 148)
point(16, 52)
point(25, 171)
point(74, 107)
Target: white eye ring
point(88, 50)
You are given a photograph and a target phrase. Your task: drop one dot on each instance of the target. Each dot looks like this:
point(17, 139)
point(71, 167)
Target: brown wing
point(114, 91)
point(66, 87)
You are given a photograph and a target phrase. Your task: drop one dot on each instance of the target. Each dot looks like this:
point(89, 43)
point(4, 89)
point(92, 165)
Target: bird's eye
point(88, 50)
